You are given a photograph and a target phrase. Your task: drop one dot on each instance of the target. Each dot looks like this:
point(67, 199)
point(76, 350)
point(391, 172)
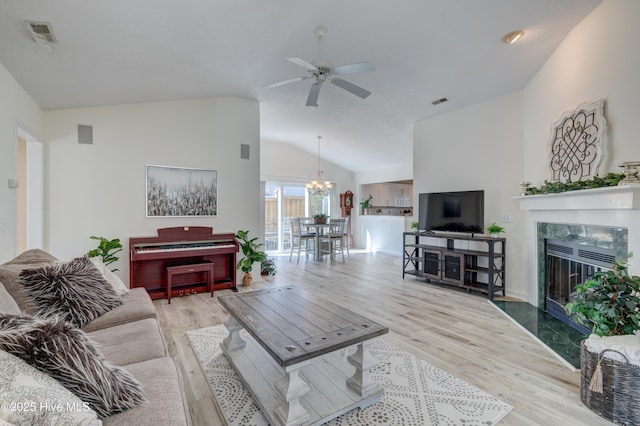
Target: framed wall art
point(181, 192)
point(577, 143)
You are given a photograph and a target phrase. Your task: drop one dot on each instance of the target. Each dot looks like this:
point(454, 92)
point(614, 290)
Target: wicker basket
point(618, 402)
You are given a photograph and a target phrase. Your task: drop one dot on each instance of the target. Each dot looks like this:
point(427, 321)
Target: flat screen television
point(461, 211)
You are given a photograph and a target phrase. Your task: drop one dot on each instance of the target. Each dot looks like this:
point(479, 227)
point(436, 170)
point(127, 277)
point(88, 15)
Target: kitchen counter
point(382, 232)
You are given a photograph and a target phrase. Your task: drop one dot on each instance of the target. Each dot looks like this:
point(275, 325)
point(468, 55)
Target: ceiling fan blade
point(314, 92)
point(350, 87)
point(282, 83)
point(302, 63)
point(351, 68)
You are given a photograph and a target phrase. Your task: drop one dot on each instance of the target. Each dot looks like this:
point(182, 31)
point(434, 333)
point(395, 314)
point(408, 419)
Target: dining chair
point(332, 242)
point(300, 238)
point(345, 235)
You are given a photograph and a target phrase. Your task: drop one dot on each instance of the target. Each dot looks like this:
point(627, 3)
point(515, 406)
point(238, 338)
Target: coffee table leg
point(363, 361)
point(233, 340)
point(291, 387)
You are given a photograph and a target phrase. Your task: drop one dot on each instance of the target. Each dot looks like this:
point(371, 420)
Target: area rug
point(415, 392)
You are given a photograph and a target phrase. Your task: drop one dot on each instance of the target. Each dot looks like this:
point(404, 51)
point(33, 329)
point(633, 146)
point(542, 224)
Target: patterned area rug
point(415, 392)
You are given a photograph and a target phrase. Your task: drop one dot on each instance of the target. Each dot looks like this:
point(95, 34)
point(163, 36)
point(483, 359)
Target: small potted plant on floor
point(609, 304)
point(268, 267)
point(252, 252)
point(320, 218)
point(495, 229)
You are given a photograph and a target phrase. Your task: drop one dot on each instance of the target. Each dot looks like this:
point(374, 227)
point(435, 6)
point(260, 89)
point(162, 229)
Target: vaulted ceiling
point(115, 52)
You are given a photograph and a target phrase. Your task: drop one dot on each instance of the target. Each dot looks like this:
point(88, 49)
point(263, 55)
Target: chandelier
point(318, 187)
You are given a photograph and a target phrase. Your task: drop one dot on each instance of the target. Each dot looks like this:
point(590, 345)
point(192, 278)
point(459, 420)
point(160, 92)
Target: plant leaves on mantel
point(610, 179)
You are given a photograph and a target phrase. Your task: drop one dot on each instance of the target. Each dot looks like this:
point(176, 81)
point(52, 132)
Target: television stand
point(480, 266)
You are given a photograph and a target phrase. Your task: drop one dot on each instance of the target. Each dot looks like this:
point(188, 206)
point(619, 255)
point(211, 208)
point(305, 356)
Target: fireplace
point(568, 264)
point(595, 222)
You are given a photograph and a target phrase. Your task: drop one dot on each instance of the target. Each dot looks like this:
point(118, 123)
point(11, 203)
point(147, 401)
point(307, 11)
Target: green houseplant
point(495, 229)
point(252, 253)
point(268, 267)
point(609, 302)
point(366, 203)
point(414, 225)
point(107, 250)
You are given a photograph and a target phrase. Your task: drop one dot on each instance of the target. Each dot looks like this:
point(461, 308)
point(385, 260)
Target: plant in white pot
point(495, 229)
point(252, 253)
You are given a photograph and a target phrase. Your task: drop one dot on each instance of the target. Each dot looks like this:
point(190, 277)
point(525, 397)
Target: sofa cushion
point(167, 404)
point(74, 290)
point(109, 276)
point(31, 397)
point(136, 305)
point(65, 353)
point(7, 304)
point(10, 270)
point(131, 343)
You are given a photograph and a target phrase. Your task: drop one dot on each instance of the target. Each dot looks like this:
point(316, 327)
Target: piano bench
point(189, 269)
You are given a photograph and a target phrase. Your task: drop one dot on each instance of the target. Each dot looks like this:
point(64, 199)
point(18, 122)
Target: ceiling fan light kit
point(322, 70)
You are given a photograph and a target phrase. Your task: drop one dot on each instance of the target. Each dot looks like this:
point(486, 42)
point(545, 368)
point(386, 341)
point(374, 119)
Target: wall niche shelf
point(481, 268)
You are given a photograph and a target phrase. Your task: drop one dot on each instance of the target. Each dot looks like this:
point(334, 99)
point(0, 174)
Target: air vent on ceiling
point(41, 33)
point(440, 101)
point(42, 29)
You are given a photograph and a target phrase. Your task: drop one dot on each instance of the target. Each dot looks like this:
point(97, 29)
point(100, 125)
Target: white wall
point(479, 147)
point(16, 108)
point(99, 189)
point(600, 58)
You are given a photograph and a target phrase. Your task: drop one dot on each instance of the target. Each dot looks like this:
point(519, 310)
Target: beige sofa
point(128, 336)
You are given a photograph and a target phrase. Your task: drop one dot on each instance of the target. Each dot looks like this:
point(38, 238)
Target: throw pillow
point(66, 353)
point(31, 397)
point(7, 304)
point(116, 283)
point(10, 270)
point(74, 290)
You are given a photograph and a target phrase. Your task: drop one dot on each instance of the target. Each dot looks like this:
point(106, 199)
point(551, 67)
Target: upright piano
point(150, 257)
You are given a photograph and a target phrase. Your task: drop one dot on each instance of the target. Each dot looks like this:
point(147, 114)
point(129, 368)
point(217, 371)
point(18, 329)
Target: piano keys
point(150, 257)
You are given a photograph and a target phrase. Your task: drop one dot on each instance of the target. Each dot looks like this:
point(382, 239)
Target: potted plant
point(414, 225)
point(366, 203)
point(495, 229)
point(252, 253)
point(608, 302)
point(320, 218)
point(107, 250)
point(268, 267)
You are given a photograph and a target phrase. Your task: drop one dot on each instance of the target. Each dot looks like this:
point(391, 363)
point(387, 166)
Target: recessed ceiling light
point(512, 37)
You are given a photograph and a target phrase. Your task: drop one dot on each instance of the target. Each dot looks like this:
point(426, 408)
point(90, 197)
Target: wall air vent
point(440, 101)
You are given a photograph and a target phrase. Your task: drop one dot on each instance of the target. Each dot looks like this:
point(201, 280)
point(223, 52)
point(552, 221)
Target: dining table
point(318, 230)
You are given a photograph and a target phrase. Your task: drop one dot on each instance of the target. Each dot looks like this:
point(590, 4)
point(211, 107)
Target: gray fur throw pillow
point(65, 353)
point(74, 290)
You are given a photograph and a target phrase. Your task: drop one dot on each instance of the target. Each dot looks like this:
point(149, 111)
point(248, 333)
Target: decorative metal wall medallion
point(576, 146)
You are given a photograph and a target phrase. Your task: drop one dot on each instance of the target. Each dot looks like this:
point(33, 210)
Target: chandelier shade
point(318, 186)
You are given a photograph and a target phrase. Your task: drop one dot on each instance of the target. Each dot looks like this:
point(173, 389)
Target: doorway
point(30, 192)
point(283, 201)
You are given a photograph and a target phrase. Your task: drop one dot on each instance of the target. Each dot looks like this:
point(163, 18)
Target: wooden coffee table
point(291, 365)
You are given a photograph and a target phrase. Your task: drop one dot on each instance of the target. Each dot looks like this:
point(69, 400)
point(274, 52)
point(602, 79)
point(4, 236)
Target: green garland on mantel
point(610, 179)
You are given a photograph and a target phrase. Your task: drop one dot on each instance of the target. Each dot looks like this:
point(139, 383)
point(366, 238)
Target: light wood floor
point(453, 330)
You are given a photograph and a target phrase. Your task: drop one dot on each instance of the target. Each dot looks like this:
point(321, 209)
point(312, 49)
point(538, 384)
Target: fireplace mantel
point(614, 207)
point(609, 198)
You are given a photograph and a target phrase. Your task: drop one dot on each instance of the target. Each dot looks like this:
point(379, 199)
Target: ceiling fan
point(322, 70)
